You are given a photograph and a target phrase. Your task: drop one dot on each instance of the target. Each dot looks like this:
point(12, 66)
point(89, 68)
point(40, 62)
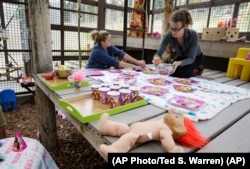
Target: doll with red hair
point(173, 128)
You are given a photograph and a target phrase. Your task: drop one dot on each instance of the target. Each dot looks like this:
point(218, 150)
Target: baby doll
point(166, 131)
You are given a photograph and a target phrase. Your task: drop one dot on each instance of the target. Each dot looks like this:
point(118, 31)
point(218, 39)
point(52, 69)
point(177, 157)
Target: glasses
point(177, 30)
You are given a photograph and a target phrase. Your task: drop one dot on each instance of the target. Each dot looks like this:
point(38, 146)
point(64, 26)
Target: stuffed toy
point(172, 128)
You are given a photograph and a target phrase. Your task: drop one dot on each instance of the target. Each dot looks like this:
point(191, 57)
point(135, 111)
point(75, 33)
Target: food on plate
point(154, 90)
point(159, 81)
point(149, 71)
point(185, 81)
point(183, 88)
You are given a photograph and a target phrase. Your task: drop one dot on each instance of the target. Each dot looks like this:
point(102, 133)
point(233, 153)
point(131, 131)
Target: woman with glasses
point(188, 54)
point(104, 54)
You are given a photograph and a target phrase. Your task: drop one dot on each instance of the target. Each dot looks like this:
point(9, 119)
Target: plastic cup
point(113, 98)
point(95, 92)
point(124, 96)
point(115, 87)
point(103, 94)
point(124, 86)
point(134, 95)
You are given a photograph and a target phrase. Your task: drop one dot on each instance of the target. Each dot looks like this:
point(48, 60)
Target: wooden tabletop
point(215, 129)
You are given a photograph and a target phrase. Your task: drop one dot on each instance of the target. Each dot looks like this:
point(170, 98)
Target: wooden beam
point(42, 62)
point(41, 35)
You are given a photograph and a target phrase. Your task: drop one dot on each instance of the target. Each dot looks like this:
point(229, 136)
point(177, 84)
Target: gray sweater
point(187, 52)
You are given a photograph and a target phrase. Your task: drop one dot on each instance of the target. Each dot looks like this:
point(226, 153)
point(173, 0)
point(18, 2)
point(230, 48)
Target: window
point(244, 17)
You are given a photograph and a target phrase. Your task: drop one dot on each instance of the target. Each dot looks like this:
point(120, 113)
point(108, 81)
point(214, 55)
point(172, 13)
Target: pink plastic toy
point(78, 77)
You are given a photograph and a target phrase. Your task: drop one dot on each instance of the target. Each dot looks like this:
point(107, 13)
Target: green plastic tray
point(85, 109)
point(59, 84)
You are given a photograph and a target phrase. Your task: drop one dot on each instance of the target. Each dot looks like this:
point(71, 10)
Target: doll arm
point(168, 143)
point(111, 128)
point(123, 144)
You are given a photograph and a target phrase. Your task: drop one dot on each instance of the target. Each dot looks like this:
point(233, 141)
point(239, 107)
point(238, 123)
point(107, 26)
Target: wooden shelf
point(210, 48)
point(3, 38)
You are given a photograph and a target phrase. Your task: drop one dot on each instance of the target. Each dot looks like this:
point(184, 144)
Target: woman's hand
point(175, 64)
point(156, 60)
point(141, 63)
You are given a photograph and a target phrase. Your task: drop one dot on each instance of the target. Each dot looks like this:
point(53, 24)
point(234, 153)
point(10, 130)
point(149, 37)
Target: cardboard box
point(232, 34)
point(213, 34)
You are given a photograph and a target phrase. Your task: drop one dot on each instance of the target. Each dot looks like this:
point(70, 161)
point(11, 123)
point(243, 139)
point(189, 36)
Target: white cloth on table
point(34, 156)
point(216, 95)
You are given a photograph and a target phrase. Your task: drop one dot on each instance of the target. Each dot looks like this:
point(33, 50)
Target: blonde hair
point(182, 15)
point(98, 36)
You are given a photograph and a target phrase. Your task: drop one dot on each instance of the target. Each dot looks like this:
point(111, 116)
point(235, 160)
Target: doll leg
point(123, 144)
point(168, 143)
point(111, 128)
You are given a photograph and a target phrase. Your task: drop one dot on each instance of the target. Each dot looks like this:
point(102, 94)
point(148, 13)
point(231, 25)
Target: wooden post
point(167, 11)
point(79, 33)
point(42, 62)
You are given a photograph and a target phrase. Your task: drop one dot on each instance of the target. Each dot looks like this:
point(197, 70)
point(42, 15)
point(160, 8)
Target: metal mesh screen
point(218, 13)
point(199, 16)
point(114, 20)
point(244, 17)
point(17, 42)
point(157, 26)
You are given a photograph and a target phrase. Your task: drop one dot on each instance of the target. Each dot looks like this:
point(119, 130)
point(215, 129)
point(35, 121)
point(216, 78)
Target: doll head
point(184, 131)
point(78, 76)
point(176, 123)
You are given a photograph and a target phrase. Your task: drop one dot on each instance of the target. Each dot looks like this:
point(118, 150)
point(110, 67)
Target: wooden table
point(214, 129)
